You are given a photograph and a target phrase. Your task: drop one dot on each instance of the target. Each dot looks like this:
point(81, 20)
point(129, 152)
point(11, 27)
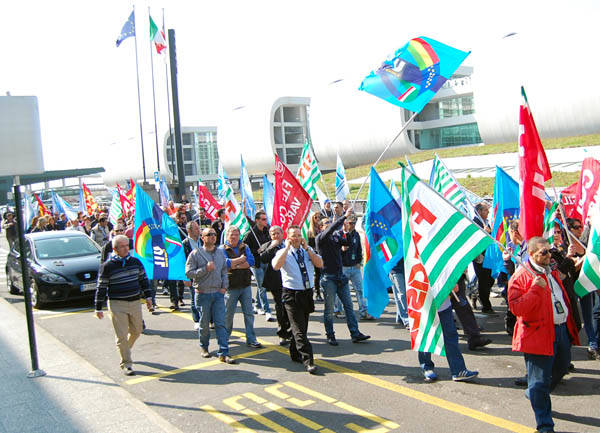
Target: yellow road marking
point(274, 390)
point(239, 427)
point(232, 402)
point(310, 392)
point(359, 429)
point(407, 392)
point(70, 313)
point(199, 366)
point(292, 415)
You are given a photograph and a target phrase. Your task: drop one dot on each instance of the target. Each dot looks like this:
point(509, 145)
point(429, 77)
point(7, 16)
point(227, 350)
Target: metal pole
point(408, 122)
point(176, 119)
point(35, 369)
point(137, 75)
point(168, 105)
point(154, 104)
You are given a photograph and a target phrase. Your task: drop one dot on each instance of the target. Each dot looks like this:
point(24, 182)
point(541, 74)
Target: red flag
point(292, 203)
point(586, 189)
point(90, 202)
point(568, 197)
point(126, 204)
point(533, 172)
point(208, 202)
point(43, 209)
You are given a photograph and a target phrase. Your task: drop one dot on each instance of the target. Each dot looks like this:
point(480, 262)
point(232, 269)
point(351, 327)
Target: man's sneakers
point(311, 368)
point(174, 307)
point(128, 371)
point(465, 376)
point(332, 341)
point(339, 315)
point(284, 341)
point(227, 359)
point(430, 376)
point(366, 316)
point(593, 353)
point(360, 337)
point(204, 353)
point(255, 345)
point(478, 342)
point(269, 317)
point(196, 326)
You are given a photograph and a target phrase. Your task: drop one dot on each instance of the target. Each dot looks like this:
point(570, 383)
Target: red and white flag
point(126, 204)
point(208, 202)
point(587, 189)
point(569, 197)
point(533, 172)
point(292, 203)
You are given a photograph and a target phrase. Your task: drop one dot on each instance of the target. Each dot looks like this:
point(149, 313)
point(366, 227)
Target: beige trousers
point(126, 318)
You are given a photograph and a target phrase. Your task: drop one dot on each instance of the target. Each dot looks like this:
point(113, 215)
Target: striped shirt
point(123, 279)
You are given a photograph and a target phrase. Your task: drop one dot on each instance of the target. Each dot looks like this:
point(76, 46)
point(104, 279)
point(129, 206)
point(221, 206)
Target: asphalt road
point(374, 387)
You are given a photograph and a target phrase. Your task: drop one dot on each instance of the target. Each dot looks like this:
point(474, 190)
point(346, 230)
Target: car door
point(15, 263)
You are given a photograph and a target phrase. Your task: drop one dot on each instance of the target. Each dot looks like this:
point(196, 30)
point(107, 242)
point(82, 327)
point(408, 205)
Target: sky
point(229, 53)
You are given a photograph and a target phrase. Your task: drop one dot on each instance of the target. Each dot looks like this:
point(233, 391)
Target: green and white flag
point(444, 182)
point(589, 276)
point(233, 211)
point(116, 209)
point(308, 175)
point(439, 244)
point(549, 223)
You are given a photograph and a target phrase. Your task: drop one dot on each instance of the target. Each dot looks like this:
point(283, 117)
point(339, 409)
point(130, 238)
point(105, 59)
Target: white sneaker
point(269, 317)
point(196, 326)
point(260, 311)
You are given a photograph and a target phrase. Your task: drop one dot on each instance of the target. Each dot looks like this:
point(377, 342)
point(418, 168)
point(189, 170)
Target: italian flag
point(589, 276)
point(439, 244)
point(308, 175)
point(388, 248)
point(157, 36)
point(549, 223)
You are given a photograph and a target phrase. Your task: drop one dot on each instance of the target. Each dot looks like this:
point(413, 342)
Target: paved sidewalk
point(74, 396)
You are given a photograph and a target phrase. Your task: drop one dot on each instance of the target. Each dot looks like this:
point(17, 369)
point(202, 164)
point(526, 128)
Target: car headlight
point(52, 278)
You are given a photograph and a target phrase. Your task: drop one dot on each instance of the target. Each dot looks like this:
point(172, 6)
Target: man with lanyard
point(545, 328)
point(257, 236)
point(296, 262)
point(207, 268)
point(352, 261)
point(273, 283)
point(191, 243)
point(333, 281)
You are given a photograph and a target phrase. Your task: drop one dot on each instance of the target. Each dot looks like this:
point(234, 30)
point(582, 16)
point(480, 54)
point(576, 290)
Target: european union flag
point(505, 208)
point(128, 29)
point(414, 73)
point(156, 240)
point(268, 197)
point(383, 229)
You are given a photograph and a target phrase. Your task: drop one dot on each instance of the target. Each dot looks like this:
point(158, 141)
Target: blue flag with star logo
point(414, 73)
point(383, 246)
point(128, 29)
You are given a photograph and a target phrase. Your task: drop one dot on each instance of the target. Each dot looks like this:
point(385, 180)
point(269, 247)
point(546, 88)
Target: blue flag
point(505, 208)
point(156, 240)
point(165, 194)
point(56, 205)
point(383, 246)
point(128, 29)
point(414, 73)
point(341, 186)
point(82, 206)
point(248, 205)
point(222, 183)
point(28, 211)
point(268, 197)
point(63, 207)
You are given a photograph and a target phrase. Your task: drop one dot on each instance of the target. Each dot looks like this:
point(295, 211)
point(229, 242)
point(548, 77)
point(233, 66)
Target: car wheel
point(35, 295)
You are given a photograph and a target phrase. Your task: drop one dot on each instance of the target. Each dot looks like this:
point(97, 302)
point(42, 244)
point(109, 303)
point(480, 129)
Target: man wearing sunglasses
point(545, 328)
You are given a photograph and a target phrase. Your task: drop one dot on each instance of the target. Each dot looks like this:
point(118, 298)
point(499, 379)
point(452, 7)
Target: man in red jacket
point(545, 328)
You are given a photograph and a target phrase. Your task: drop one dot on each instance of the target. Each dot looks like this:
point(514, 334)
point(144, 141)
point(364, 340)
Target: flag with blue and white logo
point(341, 186)
point(128, 29)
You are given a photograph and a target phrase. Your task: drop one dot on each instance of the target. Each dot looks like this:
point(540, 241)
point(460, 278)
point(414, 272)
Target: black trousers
point(283, 322)
point(298, 305)
point(484, 277)
point(465, 312)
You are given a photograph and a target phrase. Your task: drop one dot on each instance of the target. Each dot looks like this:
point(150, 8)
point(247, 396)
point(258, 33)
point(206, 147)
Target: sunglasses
point(210, 234)
point(544, 251)
point(576, 227)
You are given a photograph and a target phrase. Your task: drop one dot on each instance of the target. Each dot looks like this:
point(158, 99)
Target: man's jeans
point(544, 373)
point(338, 285)
point(244, 295)
point(261, 293)
point(399, 289)
point(355, 277)
point(589, 324)
point(195, 312)
point(212, 305)
point(456, 362)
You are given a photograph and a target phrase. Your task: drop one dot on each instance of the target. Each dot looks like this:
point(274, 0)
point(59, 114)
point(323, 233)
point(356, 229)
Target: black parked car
point(63, 265)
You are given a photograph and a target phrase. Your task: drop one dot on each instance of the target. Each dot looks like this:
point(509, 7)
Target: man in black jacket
point(333, 281)
point(272, 282)
point(484, 275)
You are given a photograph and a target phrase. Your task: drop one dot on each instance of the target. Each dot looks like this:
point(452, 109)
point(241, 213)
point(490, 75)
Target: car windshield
point(60, 248)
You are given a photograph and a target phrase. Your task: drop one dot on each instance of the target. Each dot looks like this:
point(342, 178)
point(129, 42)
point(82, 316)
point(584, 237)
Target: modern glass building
point(290, 128)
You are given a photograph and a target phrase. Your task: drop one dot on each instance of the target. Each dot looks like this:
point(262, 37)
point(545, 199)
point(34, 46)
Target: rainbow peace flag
point(156, 241)
point(414, 73)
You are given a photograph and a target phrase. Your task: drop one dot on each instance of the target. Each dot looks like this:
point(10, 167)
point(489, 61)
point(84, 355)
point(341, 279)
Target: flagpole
point(137, 74)
point(496, 241)
point(454, 179)
point(154, 102)
point(408, 122)
point(168, 104)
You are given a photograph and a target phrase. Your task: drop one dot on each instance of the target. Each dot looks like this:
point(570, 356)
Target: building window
point(448, 136)
point(289, 132)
